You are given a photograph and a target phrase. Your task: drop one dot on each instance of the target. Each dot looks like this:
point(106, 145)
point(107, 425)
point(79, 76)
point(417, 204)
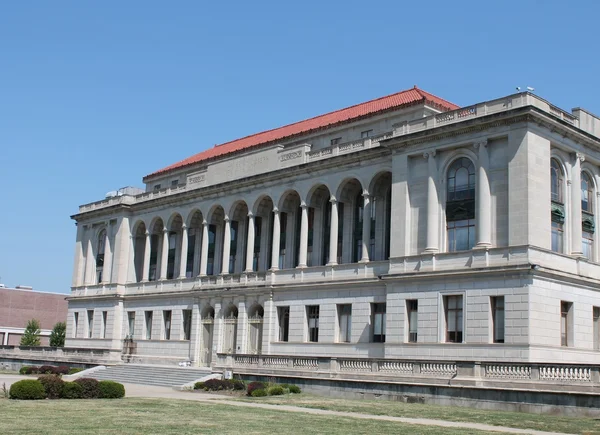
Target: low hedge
point(74, 370)
point(71, 390)
point(276, 390)
point(48, 370)
point(294, 389)
point(27, 389)
point(111, 390)
point(256, 385)
point(53, 385)
point(220, 385)
point(90, 387)
point(259, 392)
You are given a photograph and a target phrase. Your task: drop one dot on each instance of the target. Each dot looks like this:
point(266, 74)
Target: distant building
point(402, 235)
point(21, 304)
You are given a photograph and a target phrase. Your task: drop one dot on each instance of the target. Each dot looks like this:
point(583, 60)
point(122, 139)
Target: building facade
point(401, 229)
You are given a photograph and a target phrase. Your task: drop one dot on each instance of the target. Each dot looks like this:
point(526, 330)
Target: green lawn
point(164, 416)
point(519, 420)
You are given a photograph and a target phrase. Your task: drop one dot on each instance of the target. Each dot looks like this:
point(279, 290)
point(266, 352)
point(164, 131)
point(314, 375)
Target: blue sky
point(95, 95)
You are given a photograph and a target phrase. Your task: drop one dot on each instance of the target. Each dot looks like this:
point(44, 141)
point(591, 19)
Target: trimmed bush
point(74, 370)
point(23, 370)
point(276, 390)
point(27, 389)
point(259, 392)
point(111, 390)
point(61, 370)
point(71, 390)
point(256, 385)
point(47, 370)
point(216, 384)
point(199, 386)
point(294, 389)
point(90, 388)
point(237, 385)
point(53, 385)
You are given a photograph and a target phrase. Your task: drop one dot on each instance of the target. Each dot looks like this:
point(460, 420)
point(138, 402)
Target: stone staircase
point(162, 376)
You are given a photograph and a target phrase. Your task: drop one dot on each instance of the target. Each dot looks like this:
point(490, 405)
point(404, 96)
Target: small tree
point(58, 334)
point(31, 336)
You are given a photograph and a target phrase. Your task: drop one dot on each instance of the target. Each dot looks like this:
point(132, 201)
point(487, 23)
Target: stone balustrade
point(60, 354)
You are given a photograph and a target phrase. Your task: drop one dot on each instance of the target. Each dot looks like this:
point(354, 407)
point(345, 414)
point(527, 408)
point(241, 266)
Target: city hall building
point(401, 236)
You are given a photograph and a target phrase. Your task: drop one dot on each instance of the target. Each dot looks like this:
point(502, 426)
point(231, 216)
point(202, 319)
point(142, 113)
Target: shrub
point(259, 392)
point(71, 390)
point(23, 370)
point(237, 385)
point(47, 370)
point(90, 388)
point(61, 370)
point(256, 385)
point(53, 385)
point(111, 390)
point(275, 390)
point(199, 386)
point(27, 389)
point(74, 370)
point(294, 389)
point(29, 370)
point(218, 385)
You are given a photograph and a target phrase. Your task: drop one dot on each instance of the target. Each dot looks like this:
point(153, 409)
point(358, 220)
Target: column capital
point(183, 226)
point(147, 233)
point(483, 143)
point(165, 230)
point(204, 223)
point(226, 218)
point(580, 157)
point(366, 194)
point(303, 205)
point(275, 210)
point(428, 154)
point(250, 214)
point(332, 199)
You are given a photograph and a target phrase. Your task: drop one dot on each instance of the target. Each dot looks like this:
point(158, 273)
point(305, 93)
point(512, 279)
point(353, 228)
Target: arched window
point(357, 234)
point(587, 215)
point(255, 323)
point(230, 333)
point(460, 205)
point(557, 206)
point(100, 255)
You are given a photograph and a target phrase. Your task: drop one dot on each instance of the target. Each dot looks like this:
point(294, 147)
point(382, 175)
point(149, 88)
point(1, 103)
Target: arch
point(263, 205)
point(318, 200)
point(350, 219)
point(139, 248)
point(256, 315)
point(207, 320)
point(256, 310)
point(156, 225)
point(230, 320)
point(208, 312)
point(263, 233)
point(348, 188)
point(587, 192)
point(231, 311)
point(215, 214)
point(239, 210)
point(290, 223)
point(156, 240)
point(194, 233)
point(460, 178)
point(588, 204)
point(557, 177)
point(318, 194)
point(194, 218)
point(289, 201)
point(380, 189)
point(139, 228)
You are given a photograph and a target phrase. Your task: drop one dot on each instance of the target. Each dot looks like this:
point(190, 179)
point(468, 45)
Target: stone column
point(576, 231)
point(303, 235)
point(184, 251)
point(204, 254)
point(366, 227)
point(108, 257)
point(146, 269)
point(484, 199)
point(226, 246)
point(276, 241)
point(250, 244)
point(164, 254)
point(333, 233)
point(433, 205)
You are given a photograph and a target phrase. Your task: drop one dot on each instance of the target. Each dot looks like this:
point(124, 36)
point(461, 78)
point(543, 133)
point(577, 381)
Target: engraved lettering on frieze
point(197, 178)
point(247, 165)
point(291, 156)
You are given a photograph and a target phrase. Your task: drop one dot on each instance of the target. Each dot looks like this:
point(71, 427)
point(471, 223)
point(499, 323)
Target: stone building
point(401, 230)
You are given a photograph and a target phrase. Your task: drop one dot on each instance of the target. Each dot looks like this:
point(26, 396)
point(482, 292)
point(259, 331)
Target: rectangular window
point(90, 316)
point(344, 322)
point(75, 324)
point(335, 141)
point(565, 323)
point(187, 324)
point(454, 318)
point(174, 183)
point(131, 322)
point(378, 321)
point(587, 243)
point(104, 319)
point(167, 324)
point(156, 187)
point(365, 134)
point(283, 315)
point(497, 305)
point(557, 237)
point(596, 323)
point(148, 319)
point(412, 314)
point(312, 315)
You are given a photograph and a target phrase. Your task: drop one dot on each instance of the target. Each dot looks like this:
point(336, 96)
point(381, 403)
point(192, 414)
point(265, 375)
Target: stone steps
point(150, 375)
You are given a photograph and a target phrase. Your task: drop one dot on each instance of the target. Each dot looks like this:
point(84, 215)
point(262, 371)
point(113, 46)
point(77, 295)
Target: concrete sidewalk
point(147, 391)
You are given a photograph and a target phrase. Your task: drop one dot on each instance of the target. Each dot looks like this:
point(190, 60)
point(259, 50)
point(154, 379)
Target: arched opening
point(208, 323)
point(238, 230)
point(460, 205)
point(319, 225)
point(194, 232)
point(215, 240)
point(255, 324)
point(350, 226)
point(156, 241)
point(230, 320)
point(174, 251)
point(139, 247)
point(587, 216)
point(557, 205)
point(290, 221)
point(263, 234)
point(381, 214)
point(100, 249)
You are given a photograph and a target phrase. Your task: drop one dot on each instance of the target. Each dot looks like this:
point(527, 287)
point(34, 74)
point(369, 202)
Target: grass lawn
point(519, 420)
point(165, 416)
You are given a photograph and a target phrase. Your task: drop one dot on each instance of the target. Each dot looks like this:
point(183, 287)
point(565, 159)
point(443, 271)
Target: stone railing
point(58, 354)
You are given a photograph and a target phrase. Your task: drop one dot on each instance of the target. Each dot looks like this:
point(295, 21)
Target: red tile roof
point(352, 113)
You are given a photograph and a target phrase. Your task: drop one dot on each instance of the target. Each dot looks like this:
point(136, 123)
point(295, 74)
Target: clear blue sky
point(95, 95)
